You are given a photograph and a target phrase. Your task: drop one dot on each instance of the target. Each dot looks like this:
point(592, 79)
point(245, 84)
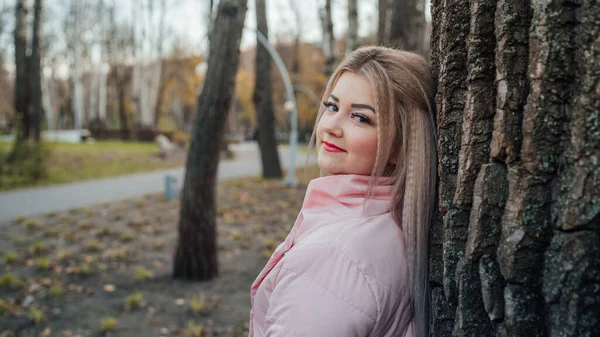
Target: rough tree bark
point(407, 25)
point(515, 247)
point(328, 38)
point(263, 101)
point(352, 40)
point(196, 254)
point(21, 79)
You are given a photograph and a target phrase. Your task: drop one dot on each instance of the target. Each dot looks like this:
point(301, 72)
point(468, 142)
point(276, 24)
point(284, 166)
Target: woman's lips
point(331, 148)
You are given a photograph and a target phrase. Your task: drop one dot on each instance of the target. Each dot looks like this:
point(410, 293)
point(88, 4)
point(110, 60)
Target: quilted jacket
point(342, 270)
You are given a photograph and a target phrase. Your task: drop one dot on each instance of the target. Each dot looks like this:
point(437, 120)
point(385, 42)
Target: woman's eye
point(361, 119)
point(331, 106)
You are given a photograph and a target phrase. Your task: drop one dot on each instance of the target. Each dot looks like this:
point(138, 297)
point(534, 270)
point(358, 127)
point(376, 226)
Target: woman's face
point(347, 130)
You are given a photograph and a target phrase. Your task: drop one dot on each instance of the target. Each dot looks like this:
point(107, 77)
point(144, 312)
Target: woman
point(356, 261)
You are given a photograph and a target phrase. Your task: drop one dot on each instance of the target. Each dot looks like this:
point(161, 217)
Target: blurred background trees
point(132, 69)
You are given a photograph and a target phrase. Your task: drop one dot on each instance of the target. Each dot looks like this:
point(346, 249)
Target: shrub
point(11, 281)
point(93, 246)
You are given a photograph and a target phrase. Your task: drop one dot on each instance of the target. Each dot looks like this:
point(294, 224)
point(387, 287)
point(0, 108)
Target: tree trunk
point(121, 81)
point(35, 76)
point(263, 101)
point(196, 255)
point(515, 248)
point(328, 38)
point(352, 40)
point(383, 21)
point(21, 80)
point(407, 25)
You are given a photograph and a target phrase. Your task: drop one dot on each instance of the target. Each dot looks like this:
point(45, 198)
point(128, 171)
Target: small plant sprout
point(142, 273)
point(134, 301)
point(10, 257)
point(85, 224)
point(71, 237)
point(108, 324)
point(236, 235)
point(126, 237)
point(11, 281)
point(93, 246)
point(32, 224)
point(43, 263)
point(63, 255)
point(38, 248)
point(158, 245)
point(198, 303)
point(37, 316)
point(119, 254)
point(194, 330)
point(52, 233)
point(56, 290)
point(270, 244)
point(102, 232)
point(84, 270)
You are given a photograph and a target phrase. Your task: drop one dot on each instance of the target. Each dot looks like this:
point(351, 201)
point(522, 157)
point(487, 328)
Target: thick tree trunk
point(407, 25)
point(196, 255)
point(328, 38)
point(21, 80)
point(515, 247)
point(263, 101)
point(352, 40)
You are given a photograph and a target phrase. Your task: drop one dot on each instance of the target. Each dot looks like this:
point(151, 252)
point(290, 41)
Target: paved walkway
point(63, 197)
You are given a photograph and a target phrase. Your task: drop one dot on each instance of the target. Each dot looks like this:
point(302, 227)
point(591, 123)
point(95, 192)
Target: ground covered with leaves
point(106, 270)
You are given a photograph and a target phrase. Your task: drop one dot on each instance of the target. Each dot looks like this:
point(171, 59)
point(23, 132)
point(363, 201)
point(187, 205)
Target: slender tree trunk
point(328, 38)
point(515, 247)
point(407, 25)
point(21, 63)
point(352, 42)
point(383, 20)
point(35, 76)
point(196, 254)
point(263, 100)
point(122, 112)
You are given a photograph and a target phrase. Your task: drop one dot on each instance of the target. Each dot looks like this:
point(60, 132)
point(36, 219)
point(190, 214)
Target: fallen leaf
point(109, 288)
point(180, 301)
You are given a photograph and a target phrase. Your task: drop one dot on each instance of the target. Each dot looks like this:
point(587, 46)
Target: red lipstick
point(331, 148)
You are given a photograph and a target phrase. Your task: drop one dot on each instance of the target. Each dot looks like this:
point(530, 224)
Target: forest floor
point(106, 270)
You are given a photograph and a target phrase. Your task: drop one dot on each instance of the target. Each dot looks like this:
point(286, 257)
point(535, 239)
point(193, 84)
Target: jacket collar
point(341, 194)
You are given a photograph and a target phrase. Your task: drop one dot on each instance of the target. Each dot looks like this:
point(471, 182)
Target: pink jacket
point(342, 270)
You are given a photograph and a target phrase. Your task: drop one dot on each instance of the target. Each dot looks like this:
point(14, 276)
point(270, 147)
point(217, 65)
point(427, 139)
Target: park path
point(57, 198)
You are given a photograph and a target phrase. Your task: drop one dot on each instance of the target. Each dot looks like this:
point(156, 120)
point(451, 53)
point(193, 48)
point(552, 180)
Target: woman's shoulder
point(374, 244)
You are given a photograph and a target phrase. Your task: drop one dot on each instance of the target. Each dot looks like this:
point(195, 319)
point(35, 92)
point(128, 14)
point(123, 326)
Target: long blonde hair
point(402, 87)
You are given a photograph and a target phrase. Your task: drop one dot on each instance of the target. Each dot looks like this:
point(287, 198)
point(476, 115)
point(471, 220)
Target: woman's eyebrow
point(359, 106)
point(363, 106)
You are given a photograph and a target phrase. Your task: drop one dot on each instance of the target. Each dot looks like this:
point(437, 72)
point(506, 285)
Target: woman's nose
point(333, 125)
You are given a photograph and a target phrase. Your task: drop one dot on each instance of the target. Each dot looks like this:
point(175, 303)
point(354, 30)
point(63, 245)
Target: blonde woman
point(356, 261)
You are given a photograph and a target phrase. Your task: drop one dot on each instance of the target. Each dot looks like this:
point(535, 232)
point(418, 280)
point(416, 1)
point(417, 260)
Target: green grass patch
point(76, 162)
